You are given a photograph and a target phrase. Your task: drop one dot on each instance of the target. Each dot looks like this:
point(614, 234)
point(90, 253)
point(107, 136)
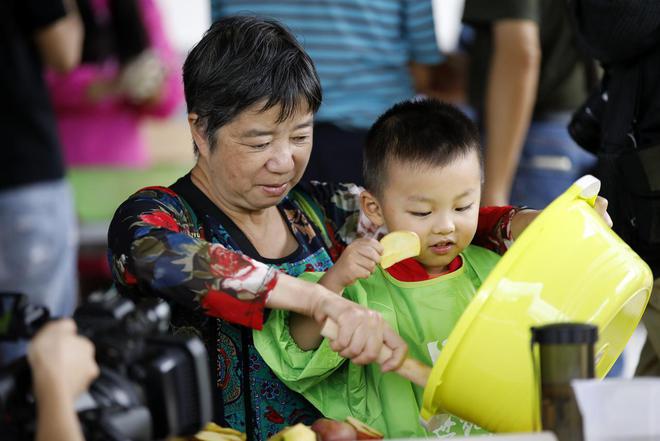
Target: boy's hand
point(358, 261)
point(523, 218)
point(601, 209)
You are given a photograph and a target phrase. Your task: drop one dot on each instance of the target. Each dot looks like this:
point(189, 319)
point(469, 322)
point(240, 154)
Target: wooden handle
point(410, 369)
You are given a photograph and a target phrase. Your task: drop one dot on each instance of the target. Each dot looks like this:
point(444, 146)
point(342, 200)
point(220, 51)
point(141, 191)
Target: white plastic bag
point(619, 409)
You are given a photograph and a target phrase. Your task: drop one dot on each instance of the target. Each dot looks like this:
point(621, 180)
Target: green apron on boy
point(423, 313)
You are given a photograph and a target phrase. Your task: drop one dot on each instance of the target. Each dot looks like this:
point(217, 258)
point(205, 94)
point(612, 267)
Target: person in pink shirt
point(128, 71)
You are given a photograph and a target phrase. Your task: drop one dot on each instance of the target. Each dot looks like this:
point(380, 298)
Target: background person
point(128, 72)
point(369, 54)
point(624, 131)
point(38, 238)
point(526, 76)
point(63, 367)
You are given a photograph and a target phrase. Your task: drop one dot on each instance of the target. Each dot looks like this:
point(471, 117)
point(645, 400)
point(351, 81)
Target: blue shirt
point(361, 49)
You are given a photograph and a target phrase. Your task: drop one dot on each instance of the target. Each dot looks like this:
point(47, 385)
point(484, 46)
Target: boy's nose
point(444, 226)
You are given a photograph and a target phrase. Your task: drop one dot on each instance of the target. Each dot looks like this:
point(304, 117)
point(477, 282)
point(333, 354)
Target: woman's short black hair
point(427, 132)
point(242, 60)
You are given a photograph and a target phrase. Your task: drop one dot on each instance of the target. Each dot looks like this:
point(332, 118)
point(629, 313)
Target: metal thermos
point(565, 353)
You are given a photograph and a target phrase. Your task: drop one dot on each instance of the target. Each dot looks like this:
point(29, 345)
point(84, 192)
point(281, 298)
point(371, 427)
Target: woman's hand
point(361, 332)
point(358, 261)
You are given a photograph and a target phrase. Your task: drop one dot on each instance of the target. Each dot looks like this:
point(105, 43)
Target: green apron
point(423, 313)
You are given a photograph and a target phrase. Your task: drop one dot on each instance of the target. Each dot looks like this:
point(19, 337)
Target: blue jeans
point(549, 163)
point(38, 250)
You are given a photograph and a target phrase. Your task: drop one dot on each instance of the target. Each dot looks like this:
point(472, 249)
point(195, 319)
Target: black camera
point(151, 386)
point(585, 126)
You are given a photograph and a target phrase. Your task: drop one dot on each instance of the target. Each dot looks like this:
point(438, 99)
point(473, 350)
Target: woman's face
point(257, 160)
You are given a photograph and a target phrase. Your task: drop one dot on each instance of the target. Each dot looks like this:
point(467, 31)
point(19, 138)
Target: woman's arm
point(155, 248)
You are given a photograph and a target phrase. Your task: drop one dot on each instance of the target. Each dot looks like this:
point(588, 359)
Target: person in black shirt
point(37, 223)
point(620, 122)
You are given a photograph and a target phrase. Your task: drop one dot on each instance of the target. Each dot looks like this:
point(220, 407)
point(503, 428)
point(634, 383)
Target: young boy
point(423, 173)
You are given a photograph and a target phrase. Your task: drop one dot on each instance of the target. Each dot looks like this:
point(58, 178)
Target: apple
point(333, 430)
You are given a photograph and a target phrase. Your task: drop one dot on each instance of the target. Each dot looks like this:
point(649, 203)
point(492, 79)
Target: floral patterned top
point(176, 244)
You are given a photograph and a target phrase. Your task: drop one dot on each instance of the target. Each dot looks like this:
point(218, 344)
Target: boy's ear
point(198, 134)
point(371, 207)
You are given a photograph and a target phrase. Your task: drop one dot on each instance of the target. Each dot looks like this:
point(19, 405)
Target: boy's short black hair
point(424, 131)
point(242, 60)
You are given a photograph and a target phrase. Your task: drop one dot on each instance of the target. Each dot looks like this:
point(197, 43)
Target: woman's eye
point(465, 208)
point(261, 146)
point(300, 139)
point(420, 213)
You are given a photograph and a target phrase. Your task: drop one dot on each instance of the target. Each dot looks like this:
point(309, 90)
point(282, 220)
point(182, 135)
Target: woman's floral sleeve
point(156, 249)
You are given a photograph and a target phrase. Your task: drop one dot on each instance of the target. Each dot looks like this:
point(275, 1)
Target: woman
point(213, 242)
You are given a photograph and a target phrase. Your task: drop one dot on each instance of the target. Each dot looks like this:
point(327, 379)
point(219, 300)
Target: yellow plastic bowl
point(568, 265)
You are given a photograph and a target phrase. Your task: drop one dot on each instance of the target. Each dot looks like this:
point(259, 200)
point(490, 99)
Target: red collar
point(410, 270)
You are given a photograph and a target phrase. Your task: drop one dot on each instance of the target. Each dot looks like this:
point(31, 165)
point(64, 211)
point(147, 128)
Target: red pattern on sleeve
point(227, 307)
point(494, 228)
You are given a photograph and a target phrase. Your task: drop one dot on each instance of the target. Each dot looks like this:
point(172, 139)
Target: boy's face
point(440, 204)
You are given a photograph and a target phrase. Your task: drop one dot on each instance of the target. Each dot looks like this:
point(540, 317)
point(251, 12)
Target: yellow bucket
point(568, 265)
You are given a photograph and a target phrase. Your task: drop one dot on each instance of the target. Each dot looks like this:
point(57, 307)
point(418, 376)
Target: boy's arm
point(358, 261)
point(500, 226)
point(305, 332)
point(299, 369)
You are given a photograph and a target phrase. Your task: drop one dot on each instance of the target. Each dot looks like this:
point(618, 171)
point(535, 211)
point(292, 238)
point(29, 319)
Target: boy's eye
point(420, 213)
point(465, 208)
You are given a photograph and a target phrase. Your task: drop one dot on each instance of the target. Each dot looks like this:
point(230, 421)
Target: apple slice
point(363, 431)
point(213, 432)
point(399, 245)
point(299, 432)
point(207, 435)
